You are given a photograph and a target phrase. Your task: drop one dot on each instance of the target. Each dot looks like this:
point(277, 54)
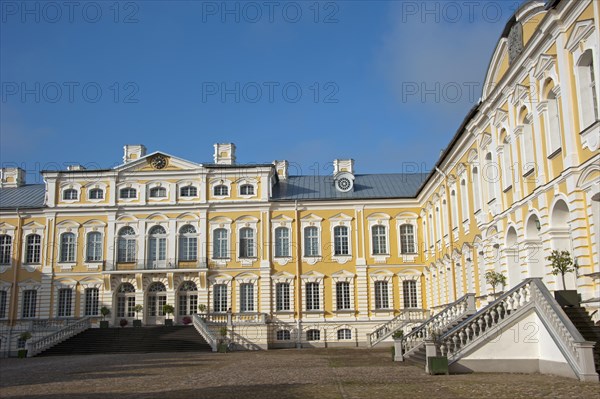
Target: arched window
point(464, 200)
point(65, 299)
point(220, 298)
point(247, 297)
point(126, 246)
point(282, 242)
point(126, 300)
point(94, 247)
point(282, 297)
point(157, 247)
point(431, 235)
point(127, 193)
point(246, 242)
point(188, 298)
point(454, 205)
point(438, 223)
point(313, 335)
point(379, 238)
point(381, 295)
point(188, 191)
point(188, 243)
point(157, 298)
point(340, 240)
point(527, 148)
point(70, 194)
point(221, 190)
point(34, 246)
point(220, 244)
point(29, 304)
point(158, 192)
point(476, 189)
point(586, 85)
point(311, 241)
point(5, 249)
point(407, 239)
point(96, 193)
point(344, 333)
point(553, 125)
point(283, 335)
point(67, 247)
point(246, 189)
point(491, 176)
point(507, 167)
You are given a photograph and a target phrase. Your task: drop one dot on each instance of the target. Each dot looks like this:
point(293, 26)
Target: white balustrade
point(405, 317)
point(203, 329)
point(70, 330)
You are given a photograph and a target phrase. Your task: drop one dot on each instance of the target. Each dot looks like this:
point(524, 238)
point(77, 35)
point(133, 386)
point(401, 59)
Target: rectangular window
point(282, 297)
point(5, 249)
point(381, 295)
point(312, 296)
point(282, 242)
point(220, 244)
point(34, 245)
point(220, 298)
point(125, 303)
point(407, 239)
point(91, 301)
point(64, 302)
point(340, 240)
point(379, 240)
point(67, 247)
point(3, 304)
point(188, 248)
point(246, 243)
point(409, 289)
point(342, 292)
point(29, 304)
point(311, 241)
point(94, 247)
point(247, 298)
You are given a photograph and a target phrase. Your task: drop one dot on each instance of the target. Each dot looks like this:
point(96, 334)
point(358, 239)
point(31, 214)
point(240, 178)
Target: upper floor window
point(221, 190)
point(311, 241)
point(127, 193)
point(5, 249)
point(96, 193)
point(282, 297)
point(220, 298)
point(246, 243)
point(409, 291)
point(587, 89)
point(94, 247)
point(246, 297)
point(188, 191)
point(312, 296)
point(70, 194)
point(407, 239)
point(126, 245)
point(158, 192)
point(342, 294)
point(67, 247)
point(464, 200)
point(33, 249)
point(553, 125)
point(340, 241)
point(65, 297)
point(476, 189)
point(381, 295)
point(379, 240)
point(282, 242)
point(247, 189)
point(188, 243)
point(220, 243)
point(29, 304)
point(454, 208)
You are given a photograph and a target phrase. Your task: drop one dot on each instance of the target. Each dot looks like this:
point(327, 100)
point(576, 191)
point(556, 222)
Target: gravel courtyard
point(307, 373)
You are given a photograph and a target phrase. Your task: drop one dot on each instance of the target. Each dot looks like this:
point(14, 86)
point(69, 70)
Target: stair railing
point(70, 330)
point(405, 317)
point(463, 306)
point(531, 293)
point(203, 329)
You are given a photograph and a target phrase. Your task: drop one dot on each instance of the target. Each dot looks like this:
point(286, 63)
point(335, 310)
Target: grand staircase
point(590, 332)
point(131, 340)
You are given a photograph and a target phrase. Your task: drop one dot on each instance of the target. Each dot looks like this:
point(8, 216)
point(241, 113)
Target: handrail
point(406, 316)
point(465, 305)
point(203, 329)
point(236, 318)
point(40, 345)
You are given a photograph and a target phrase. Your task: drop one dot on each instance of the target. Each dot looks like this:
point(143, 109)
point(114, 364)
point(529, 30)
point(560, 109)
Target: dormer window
point(158, 192)
point(127, 193)
point(96, 193)
point(70, 194)
point(221, 190)
point(247, 189)
point(188, 191)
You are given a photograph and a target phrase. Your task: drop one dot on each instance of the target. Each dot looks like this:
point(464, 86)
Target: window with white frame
point(282, 242)
point(127, 193)
point(342, 295)
point(94, 247)
point(65, 296)
point(247, 297)
point(188, 243)
point(188, 191)
point(381, 295)
point(379, 237)
point(3, 304)
point(5, 249)
point(246, 242)
point(158, 192)
point(407, 239)
point(282, 297)
point(96, 193)
point(126, 300)
point(476, 189)
point(432, 237)
point(188, 298)
point(507, 163)
point(283, 335)
point(553, 125)
point(312, 296)
point(126, 245)
point(409, 291)
point(68, 245)
point(70, 194)
point(34, 248)
point(220, 244)
point(92, 296)
point(340, 241)
point(157, 246)
point(220, 190)
point(157, 299)
point(491, 176)
point(311, 241)
point(454, 207)
point(246, 189)
point(220, 298)
point(344, 333)
point(587, 88)
point(313, 335)
point(464, 200)
point(29, 304)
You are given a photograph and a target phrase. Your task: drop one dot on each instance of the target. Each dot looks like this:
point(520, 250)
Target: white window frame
point(313, 277)
point(70, 186)
point(220, 223)
point(189, 185)
point(123, 186)
point(252, 224)
point(215, 280)
point(285, 222)
point(379, 219)
point(343, 276)
point(160, 187)
point(312, 221)
point(247, 182)
point(411, 220)
point(187, 237)
point(286, 278)
point(68, 285)
point(404, 276)
point(93, 283)
point(382, 276)
point(341, 220)
point(9, 230)
point(96, 186)
point(67, 226)
point(219, 182)
point(29, 286)
point(250, 279)
point(133, 237)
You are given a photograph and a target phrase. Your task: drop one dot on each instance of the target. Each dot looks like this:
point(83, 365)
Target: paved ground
point(307, 373)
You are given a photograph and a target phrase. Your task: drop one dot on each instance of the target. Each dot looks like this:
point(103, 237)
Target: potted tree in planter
point(24, 337)
point(202, 311)
point(137, 309)
point(562, 263)
point(222, 347)
point(123, 323)
point(167, 310)
point(494, 278)
point(104, 311)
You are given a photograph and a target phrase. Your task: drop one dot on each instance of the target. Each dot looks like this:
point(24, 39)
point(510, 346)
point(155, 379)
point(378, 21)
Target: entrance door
point(156, 299)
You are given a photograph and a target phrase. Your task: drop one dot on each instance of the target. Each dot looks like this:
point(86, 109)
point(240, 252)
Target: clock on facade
point(158, 162)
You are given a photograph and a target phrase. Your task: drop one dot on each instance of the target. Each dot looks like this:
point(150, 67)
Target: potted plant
point(104, 311)
point(137, 309)
point(562, 263)
point(186, 320)
point(167, 310)
point(494, 278)
point(222, 347)
point(24, 337)
point(397, 347)
point(202, 308)
point(123, 322)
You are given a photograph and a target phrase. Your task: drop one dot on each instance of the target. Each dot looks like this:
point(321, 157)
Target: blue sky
point(303, 81)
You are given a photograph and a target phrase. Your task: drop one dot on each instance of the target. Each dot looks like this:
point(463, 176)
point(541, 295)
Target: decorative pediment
point(500, 118)
point(545, 66)
point(220, 219)
point(282, 218)
point(379, 216)
point(312, 218)
point(156, 162)
point(312, 276)
point(246, 278)
point(340, 217)
point(247, 218)
point(282, 276)
point(342, 274)
point(33, 225)
point(520, 94)
point(485, 140)
point(581, 32)
point(94, 223)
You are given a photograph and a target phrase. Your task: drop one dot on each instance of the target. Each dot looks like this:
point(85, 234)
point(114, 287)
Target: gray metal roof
point(394, 185)
point(28, 196)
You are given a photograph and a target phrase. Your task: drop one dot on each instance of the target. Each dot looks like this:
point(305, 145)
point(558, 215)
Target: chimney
point(224, 154)
point(282, 169)
point(133, 152)
point(75, 167)
point(12, 177)
point(343, 165)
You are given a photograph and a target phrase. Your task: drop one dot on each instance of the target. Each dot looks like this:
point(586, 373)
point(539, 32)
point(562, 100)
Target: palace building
point(327, 260)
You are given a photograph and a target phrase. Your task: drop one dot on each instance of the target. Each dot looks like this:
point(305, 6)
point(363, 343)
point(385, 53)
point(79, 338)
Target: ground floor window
point(3, 304)
point(282, 297)
point(312, 296)
point(381, 295)
point(126, 300)
point(313, 335)
point(409, 289)
point(157, 298)
point(65, 297)
point(188, 298)
point(283, 335)
point(91, 301)
point(342, 293)
point(344, 333)
point(29, 303)
point(247, 298)
point(220, 298)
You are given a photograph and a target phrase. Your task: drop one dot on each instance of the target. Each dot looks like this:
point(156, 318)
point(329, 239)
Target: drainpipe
point(15, 294)
point(298, 270)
